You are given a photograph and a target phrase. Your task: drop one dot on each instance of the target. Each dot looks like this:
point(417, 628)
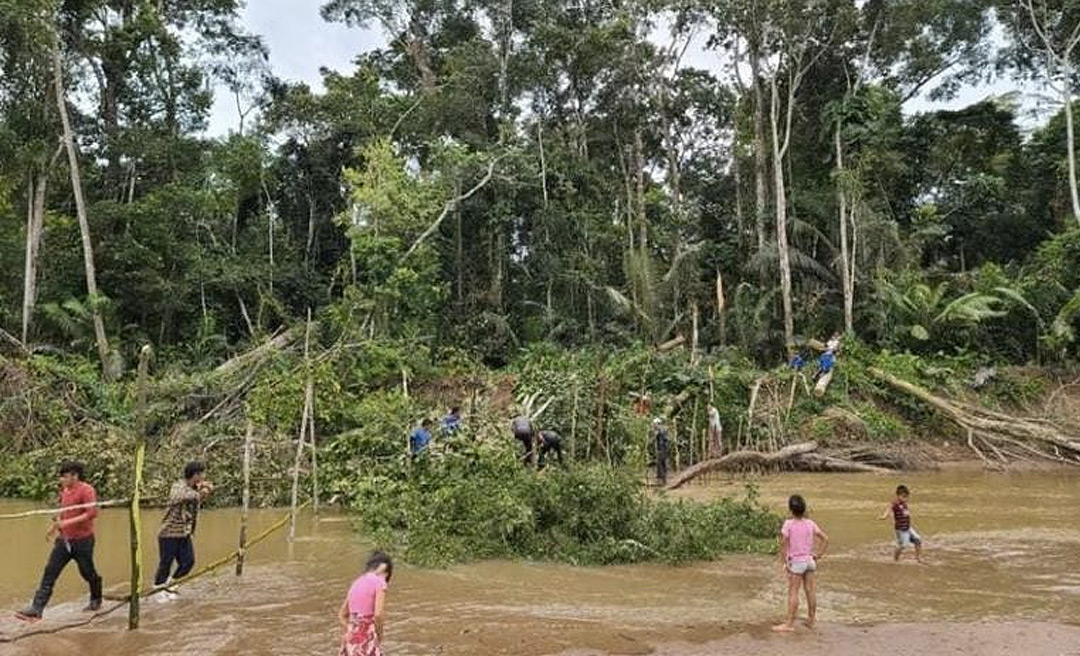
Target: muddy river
point(1002, 576)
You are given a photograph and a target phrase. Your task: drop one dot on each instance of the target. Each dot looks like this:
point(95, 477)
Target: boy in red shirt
point(906, 535)
point(72, 533)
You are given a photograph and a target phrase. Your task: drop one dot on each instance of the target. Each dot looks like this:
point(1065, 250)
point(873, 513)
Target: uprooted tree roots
point(995, 437)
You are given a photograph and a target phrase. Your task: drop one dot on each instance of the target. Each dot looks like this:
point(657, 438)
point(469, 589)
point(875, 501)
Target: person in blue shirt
point(420, 438)
point(451, 422)
point(826, 362)
point(798, 361)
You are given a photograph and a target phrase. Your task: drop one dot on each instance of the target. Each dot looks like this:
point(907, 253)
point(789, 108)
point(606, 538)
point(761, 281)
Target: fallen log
point(824, 463)
point(740, 459)
point(259, 353)
point(1019, 438)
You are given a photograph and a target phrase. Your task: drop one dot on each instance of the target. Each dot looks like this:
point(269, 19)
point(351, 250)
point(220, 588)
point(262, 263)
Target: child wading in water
point(362, 613)
point(905, 532)
point(799, 560)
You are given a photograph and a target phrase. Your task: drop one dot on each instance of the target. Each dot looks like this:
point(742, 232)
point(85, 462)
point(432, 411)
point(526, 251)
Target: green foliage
point(472, 502)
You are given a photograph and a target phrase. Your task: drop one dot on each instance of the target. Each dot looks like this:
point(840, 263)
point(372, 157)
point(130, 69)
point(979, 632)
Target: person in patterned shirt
point(178, 526)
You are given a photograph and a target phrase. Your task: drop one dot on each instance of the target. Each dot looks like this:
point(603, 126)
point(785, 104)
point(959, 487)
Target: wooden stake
point(245, 499)
point(301, 442)
point(310, 392)
point(134, 513)
point(573, 419)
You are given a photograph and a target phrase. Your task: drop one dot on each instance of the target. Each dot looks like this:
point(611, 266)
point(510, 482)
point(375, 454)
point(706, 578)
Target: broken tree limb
point(741, 460)
point(801, 457)
point(1045, 439)
point(449, 207)
point(260, 352)
point(674, 342)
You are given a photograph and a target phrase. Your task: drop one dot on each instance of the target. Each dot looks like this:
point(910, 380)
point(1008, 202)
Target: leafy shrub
point(476, 501)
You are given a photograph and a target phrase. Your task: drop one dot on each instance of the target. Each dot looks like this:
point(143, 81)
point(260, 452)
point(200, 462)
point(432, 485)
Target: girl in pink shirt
point(362, 613)
point(799, 557)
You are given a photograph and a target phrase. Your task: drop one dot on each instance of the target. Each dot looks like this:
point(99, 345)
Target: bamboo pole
point(245, 499)
point(134, 514)
point(300, 441)
point(695, 445)
point(310, 393)
point(52, 511)
point(573, 419)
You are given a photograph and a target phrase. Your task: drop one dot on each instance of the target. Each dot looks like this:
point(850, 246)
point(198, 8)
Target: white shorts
point(908, 538)
point(800, 567)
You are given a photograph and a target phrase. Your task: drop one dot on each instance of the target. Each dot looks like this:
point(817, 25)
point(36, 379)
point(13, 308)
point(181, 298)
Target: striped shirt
point(901, 516)
point(182, 511)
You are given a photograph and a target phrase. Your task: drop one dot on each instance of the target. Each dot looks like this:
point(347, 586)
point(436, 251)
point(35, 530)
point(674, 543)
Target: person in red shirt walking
point(72, 533)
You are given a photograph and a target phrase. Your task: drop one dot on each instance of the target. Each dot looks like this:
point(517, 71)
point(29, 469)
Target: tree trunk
point(781, 220)
point(639, 172)
point(846, 270)
point(760, 162)
point(35, 224)
point(1070, 139)
point(80, 210)
point(721, 308)
point(459, 248)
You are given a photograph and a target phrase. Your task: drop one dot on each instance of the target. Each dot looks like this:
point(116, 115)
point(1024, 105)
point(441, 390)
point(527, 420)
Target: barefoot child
point(361, 615)
point(798, 557)
point(905, 532)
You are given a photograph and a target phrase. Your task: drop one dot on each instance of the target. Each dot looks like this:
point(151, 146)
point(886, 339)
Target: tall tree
point(1049, 30)
point(80, 208)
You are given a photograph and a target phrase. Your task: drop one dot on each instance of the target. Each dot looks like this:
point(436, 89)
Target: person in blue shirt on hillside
point(826, 362)
point(452, 422)
point(420, 438)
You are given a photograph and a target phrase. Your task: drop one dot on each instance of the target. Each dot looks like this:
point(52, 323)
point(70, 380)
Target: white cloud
point(300, 43)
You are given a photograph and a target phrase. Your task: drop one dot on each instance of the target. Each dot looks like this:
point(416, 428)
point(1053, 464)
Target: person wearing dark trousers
point(72, 534)
point(178, 526)
point(522, 428)
point(550, 442)
point(662, 443)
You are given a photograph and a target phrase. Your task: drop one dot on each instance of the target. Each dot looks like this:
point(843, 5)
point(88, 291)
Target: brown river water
point(1002, 577)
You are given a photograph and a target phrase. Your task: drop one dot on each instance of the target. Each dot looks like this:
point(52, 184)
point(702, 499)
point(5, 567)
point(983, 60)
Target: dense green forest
point(504, 173)
point(543, 190)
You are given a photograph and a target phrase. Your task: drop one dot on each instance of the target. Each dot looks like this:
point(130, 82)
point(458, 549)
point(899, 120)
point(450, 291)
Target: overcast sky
point(301, 43)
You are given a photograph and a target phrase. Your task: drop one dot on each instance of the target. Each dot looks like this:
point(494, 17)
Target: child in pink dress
point(799, 557)
point(362, 613)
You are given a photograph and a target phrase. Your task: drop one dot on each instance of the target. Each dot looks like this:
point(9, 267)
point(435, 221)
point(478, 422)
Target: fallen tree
point(995, 437)
point(803, 456)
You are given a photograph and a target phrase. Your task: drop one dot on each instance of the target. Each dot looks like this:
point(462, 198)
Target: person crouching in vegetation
point(420, 438)
point(662, 444)
point(798, 557)
point(363, 611)
point(522, 429)
point(550, 442)
point(178, 526)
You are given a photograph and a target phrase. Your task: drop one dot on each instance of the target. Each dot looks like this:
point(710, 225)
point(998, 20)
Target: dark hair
point(901, 490)
point(797, 505)
point(454, 409)
point(425, 422)
point(72, 467)
point(192, 468)
point(379, 558)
